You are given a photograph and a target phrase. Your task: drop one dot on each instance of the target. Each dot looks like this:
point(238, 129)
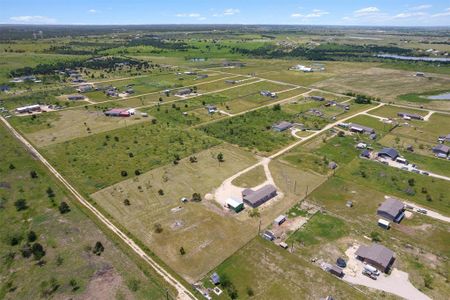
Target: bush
point(133, 285)
point(158, 228)
point(182, 251)
point(161, 192)
point(196, 197)
point(38, 251)
point(32, 236)
point(126, 202)
point(21, 204)
point(64, 208)
point(33, 174)
point(98, 248)
point(124, 173)
point(375, 236)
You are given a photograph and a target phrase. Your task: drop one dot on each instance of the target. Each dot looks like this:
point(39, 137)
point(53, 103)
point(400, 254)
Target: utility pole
point(295, 186)
point(306, 195)
point(259, 227)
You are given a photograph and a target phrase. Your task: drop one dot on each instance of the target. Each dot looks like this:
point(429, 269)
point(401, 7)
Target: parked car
point(416, 171)
point(340, 262)
point(425, 173)
point(422, 211)
point(369, 274)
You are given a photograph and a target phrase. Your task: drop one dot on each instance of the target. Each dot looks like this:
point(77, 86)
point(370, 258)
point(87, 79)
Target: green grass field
point(250, 179)
point(67, 240)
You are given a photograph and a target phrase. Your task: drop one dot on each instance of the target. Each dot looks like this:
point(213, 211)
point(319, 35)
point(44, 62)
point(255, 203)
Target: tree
point(276, 107)
point(196, 197)
point(50, 192)
point(126, 202)
point(160, 192)
point(74, 284)
point(254, 213)
point(428, 281)
point(11, 167)
point(124, 173)
point(64, 208)
point(21, 204)
point(98, 248)
point(182, 251)
point(26, 251)
point(38, 251)
point(193, 159)
point(411, 182)
point(341, 133)
point(220, 157)
point(250, 292)
point(33, 174)
point(31, 236)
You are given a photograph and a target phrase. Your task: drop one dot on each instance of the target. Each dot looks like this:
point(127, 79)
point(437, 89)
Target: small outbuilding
point(441, 149)
point(215, 278)
point(332, 165)
point(383, 224)
point(335, 270)
point(268, 235)
point(235, 205)
point(279, 220)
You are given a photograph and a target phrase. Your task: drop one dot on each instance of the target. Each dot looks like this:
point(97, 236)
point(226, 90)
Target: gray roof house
point(388, 152)
point(360, 128)
point(255, 198)
point(282, 126)
point(441, 149)
point(215, 278)
point(184, 92)
point(392, 209)
point(377, 255)
point(412, 116)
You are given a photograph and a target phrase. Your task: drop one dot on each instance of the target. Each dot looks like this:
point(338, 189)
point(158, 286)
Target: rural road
point(183, 292)
point(430, 213)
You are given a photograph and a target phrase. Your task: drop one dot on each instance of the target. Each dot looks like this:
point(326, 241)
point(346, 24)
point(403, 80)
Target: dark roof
point(255, 196)
point(391, 152)
point(282, 125)
point(365, 153)
point(391, 206)
point(377, 253)
point(362, 127)
point(441, 148)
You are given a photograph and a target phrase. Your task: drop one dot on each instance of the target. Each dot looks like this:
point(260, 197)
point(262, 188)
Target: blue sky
point(318, 12)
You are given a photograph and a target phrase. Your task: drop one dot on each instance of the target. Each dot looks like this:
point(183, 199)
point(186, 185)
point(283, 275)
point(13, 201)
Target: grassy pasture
point(203, 227)
point(67, 240)
point(386, 84)
point(97, 161)
point(250, 179)
point(272, 272)
point(57, 127)
point(388, 111)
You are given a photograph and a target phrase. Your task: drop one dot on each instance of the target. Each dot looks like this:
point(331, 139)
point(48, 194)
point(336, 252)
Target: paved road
point(183, 292)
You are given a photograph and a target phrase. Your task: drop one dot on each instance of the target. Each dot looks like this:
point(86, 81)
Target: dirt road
point(183, 292)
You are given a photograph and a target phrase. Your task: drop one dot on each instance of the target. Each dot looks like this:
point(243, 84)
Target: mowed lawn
point(67, 240)
point(271, 272)
point(57, 127)
point(207, 232)
point(100, 160)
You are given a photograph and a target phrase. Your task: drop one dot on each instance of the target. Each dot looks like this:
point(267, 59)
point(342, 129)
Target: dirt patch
point(105, 284)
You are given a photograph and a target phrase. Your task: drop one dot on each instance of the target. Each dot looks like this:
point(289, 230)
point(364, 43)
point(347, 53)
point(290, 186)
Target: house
point(410, 116)
point(332, 165)
point(441, 149)
point(383, 224)
point(234, 204)
point(343, 106)
point(360, 128)
point(282, 126)
point(112, 92)
point(28, 109)
point(335, 270)
point(229, 81)
point(118, 112)
point(215, 278)
point(202, 76)
point(301, 68)
point(211, 108)
point(365, 154)
point(388, 153)
point(255, 198)
point(84, 88)
point(4, 88)
point(392, 209)
point(233, 64)
point(184, 92)
point(373, 136)
point(268, 235)
point(349, 204)
point(75, 97)
point(279, 220)
point(361, 146)
point(317, 98)
point(420, 74)
point(377, 255)
point(190, 73)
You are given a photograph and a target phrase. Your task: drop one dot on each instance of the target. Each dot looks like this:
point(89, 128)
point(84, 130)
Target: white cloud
point(315, 13)
point(446, 13)
point(32, 20)
point(231, 11)
point(409, 15)
point(92, 11)
point(189, 15)
point(367, 11)
point(421, 7)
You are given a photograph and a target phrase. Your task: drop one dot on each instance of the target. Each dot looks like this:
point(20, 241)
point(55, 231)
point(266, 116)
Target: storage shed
point(234, 204)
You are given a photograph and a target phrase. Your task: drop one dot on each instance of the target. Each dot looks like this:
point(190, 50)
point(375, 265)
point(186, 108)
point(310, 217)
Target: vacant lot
point(200, 228)
point(57, 127)
point(103, 159)
point(68, 269)
point(386, 84)
point(271, 272)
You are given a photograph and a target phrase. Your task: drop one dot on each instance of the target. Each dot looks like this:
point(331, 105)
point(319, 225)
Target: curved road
point(183, 292)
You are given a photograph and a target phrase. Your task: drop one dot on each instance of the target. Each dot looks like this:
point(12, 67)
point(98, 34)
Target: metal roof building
point(388, 152)
point(377, 255)
point(258, 197)
point(392, 209)
point(282, 126)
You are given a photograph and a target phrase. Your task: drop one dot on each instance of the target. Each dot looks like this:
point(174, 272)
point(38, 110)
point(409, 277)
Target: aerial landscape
point(197, 150)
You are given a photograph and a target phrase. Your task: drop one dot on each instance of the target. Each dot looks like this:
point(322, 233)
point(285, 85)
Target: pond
point(444, 96)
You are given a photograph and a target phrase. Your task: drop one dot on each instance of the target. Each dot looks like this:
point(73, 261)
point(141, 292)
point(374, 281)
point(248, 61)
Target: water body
point(415, 58)
point(444, 96)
